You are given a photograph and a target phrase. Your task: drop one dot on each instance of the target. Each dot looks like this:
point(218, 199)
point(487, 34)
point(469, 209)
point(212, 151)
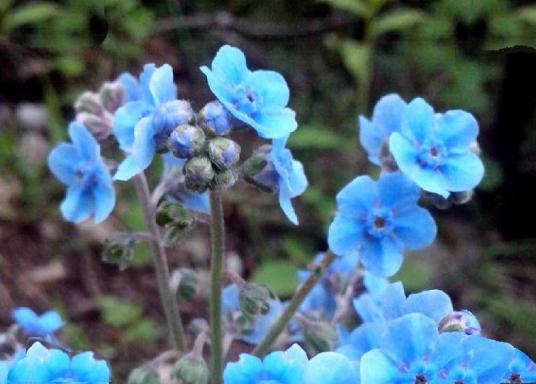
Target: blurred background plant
point(339, 57)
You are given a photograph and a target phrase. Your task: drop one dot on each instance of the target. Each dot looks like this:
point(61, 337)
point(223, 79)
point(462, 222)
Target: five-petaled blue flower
point(411, 350)
point(37, 325)
point(291, 178)
point(257, 98)
point(42, 365)
point(80, 167)
point(277, 368)
point(143, 125)
point(386, 118)
point(434, 150)
point(379, 219)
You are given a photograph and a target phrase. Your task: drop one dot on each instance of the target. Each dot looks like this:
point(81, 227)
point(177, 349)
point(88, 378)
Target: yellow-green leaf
point(397, 20)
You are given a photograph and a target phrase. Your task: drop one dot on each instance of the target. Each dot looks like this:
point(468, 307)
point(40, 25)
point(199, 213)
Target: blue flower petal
point(416, 228)
point(384, 257)
point(521, 366)
point(62, 162)
point(457, 129)
point(371, 138)
point(271, 87)
point(396, 190)
point(357, 197)
point(272, 126)
point(434, 303)
point(246, 370)
point(77, 205)
point(418, 121)
point(161, 85)
point(84, 142)
point(463, 172)
point(286, 204)
point(331, 368)
point(88, 370)
point(125, 119)
point(230, 64)
point(344, 235)
point(145, 79)
point(130, 85)
point(51, 321)
point(377, 368)
point(104, 195)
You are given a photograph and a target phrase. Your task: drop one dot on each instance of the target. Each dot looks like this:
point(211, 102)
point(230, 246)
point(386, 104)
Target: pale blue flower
point(276, 368)
point(257, 98)
point(386, 119)
point(434, 149)
point(80, 167)
point(331, 368)
point(41, 365)
point(37, 325)
point(379, 220)
point(142, 126)
point(290, 177)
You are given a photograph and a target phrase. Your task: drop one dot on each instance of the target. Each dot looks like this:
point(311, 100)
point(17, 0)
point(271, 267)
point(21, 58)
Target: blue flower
point(411, 350)
point(434, 150)
point(35, 325)
point(378, 220)
point(142, 125)
point(291, 178)
point(257, 98)
point(249, 331)
point(131, 86)
point(276, 368)
point(521, 369)
point(80, 167)
point(198, 202)
point(331, 368)
point(42, 365)
point(386, 119)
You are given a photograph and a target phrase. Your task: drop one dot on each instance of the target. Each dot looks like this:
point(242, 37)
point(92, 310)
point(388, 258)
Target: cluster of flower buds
point(95, 110)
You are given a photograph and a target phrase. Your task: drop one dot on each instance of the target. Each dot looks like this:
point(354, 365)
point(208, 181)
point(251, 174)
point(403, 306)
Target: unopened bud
point(254, 299)
point(320, 335)
point(112, 96)
point(119, 250)
point(100, 127)
point(89, 102)
point(144, 375)
point(215, 119)
point(460, 321)
point(191, 369)
point(172, 213)
point(188, 284)
point(259, 170)
point(169, 116)
point(224, 180)
point(198, 173)
point(223, 152)
point(186, 141)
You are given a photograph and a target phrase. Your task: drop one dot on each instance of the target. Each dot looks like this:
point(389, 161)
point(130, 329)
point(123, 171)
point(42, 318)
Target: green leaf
point(34, 12)
point(397, 20)
point(277, 275)
point(527, 14)
point(356, 57)
point(118, 312)
point(357, 7)
point(143, 331)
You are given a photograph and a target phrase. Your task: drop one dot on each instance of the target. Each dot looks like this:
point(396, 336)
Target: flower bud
point(112, 96)
point(198, 173)
point(89, 102)
point(254, 299)
point(100, 127)
point(320, 335)
point(215, 119)
point(172, 213)
point(191, 369)
point(223, 152)
point(188, 284)
point(460, 321)
point(224, 180)
point(259, 170)
point(169, 116)
point(186, 141)
point(144, 375)
point(119, 249)
point(459, 198)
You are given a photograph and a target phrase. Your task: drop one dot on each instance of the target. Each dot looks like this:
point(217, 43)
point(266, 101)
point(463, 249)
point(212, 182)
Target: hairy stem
point(217, 232)
point(169, 303)
point(281, 323)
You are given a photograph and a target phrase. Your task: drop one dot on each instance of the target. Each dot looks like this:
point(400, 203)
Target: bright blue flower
point(291, 178)
point(434, 150)
point(198, 202)
point(331, 368)
point(80, 167)
point(142, 125)
point(411, 350)
point(244, 329)
point(386, 119)
point(35, 325)
point(378, 220)
point(257, 98)
point(53, 366)
point(521, 369)
point(276, 368)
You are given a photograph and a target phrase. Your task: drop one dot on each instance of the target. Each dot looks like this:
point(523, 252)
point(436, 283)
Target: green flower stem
point(281, 323)
point(169, 303)
point(217, 232)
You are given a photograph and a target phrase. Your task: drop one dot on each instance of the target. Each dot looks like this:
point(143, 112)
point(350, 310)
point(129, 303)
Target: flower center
point(85, 176)
point(379, 223)
point(434, 152)
point(420, 379)
point(247, 101)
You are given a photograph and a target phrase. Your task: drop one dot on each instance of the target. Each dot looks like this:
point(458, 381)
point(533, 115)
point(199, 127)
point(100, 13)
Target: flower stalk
point(169, 303)
point(280, 324)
